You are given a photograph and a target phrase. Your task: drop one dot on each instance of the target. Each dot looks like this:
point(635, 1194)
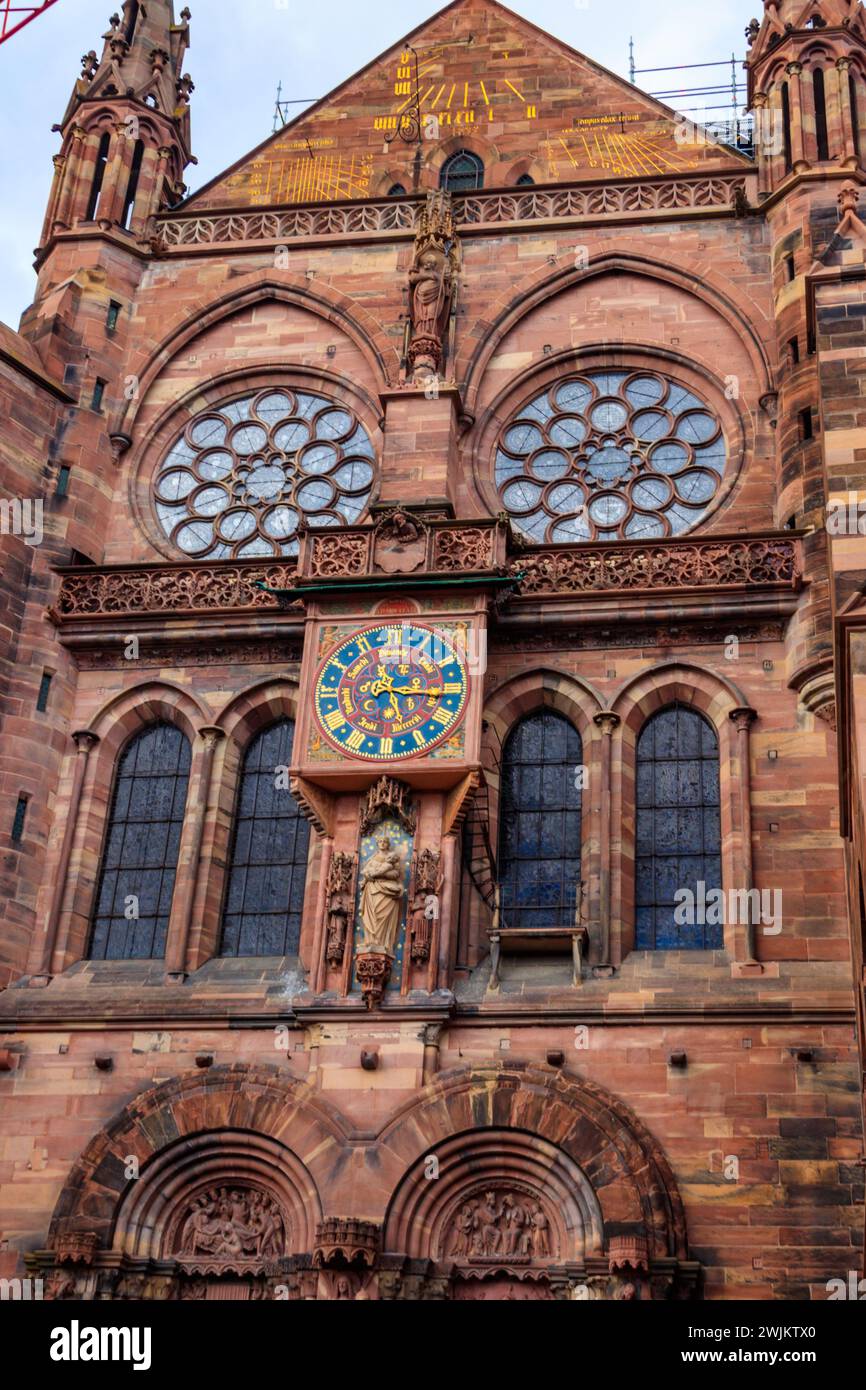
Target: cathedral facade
point(431, 678)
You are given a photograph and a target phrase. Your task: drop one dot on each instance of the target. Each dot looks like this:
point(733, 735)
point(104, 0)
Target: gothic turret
point(807, 85)
point(126, 127)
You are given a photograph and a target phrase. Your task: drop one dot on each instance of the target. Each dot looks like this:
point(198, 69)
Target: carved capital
point(769, 403)
point(607, 721)
point(84, 740)
point(742, 718)
point(847, 199)
point(210, 736)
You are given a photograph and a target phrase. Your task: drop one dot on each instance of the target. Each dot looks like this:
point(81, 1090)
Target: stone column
point(446, 911)
point(764, 132)
point(85, 173)
point(114, 183)
point(84, 742)
point(795, 107)
point(607, 721)
point(848, 157)
point(186, 881)
point(74, 162)
point(742, 720)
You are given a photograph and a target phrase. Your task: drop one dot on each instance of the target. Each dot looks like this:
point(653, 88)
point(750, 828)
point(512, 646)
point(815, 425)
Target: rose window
point(240, 477)
point(610, 456)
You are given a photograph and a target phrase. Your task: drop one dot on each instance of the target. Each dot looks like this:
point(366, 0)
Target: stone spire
point(142, 59)
point(126, 129)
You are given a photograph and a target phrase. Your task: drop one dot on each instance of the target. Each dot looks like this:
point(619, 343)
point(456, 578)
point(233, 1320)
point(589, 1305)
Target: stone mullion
point(186, 880)
point(606, 722)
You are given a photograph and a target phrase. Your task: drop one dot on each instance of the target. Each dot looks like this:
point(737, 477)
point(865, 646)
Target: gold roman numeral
point(355, 740)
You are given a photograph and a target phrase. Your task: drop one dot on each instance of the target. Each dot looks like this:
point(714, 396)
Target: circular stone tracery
point(610, 456)
point(239, 478)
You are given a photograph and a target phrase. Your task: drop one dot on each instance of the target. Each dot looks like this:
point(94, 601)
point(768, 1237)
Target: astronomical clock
point(391, 692)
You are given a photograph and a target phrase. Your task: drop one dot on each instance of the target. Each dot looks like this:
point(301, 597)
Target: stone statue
point(381, 900)
point(432, 283)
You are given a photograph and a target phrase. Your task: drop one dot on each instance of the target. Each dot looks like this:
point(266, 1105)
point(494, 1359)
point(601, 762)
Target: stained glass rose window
point(239, 478)
point(610, 456)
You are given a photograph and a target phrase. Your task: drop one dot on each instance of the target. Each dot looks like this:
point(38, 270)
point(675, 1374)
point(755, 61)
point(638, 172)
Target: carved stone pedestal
point(374, 971)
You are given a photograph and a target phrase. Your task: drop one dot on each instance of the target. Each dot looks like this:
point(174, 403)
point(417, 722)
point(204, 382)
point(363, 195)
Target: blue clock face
point(391, 692)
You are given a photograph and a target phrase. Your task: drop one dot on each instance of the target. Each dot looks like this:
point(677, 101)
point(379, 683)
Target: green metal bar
point(400, 582)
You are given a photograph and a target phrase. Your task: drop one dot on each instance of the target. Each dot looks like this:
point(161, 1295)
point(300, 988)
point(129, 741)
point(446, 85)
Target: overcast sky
point(241, 49)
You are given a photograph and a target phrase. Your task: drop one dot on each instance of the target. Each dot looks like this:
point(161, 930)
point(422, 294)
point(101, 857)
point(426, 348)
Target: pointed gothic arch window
point(678, 834)
point(98, 176)
point(540, 822)
point(132, 186)
point(786, 127)
point(462, 172)
point(268, 862)
point(525, 181)
point(820, 113)
point(139, 857)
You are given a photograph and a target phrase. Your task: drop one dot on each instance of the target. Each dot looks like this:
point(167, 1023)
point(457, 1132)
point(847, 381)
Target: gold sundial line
point(625, 153)
point(514, 90)
point(593, 162)
point(568, 152)
point(652, 149)
point(484, 92)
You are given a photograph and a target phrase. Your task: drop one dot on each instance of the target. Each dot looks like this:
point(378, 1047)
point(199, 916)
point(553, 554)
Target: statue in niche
point(381, 899)
point(432, 283)
point(340, 876)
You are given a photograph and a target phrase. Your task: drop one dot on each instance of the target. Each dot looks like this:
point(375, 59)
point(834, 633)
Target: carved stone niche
point(424, 903)
point(76, 1247)
point(399, 543)
point(341, 877)
point(501, 1226)
point(346, 1240)
point(234, 1229)
point(386, 798)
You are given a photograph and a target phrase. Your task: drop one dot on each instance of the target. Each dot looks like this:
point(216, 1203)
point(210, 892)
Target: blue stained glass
point(268, 865)
point(540, 822)
point(142, 839)
point(677, 831)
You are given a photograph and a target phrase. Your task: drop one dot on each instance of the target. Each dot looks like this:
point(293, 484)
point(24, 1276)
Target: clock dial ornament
point(391, 692)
